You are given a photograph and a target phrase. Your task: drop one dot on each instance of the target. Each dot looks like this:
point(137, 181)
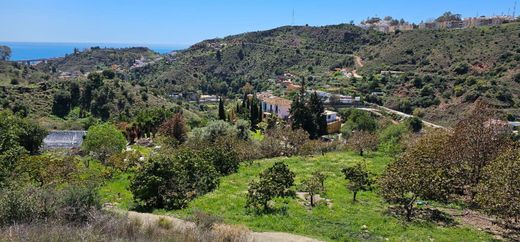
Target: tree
point(149, 120)
point(61, 103)
point(358, 177)
point(318, 117)
point(213, 131)
point(362, 141)
point(108, 74)
point(172, 181)
point(313, 186)
point(5, 53)
point(298, 111)
point(175, 127)
point(243, 127)
point(223, 154)
point(221, 109)
point(477, 140)
point(18, 137)
point(31, 135)
point(449, 16)
point(75, 94)
point(49, 169)
point(255, 112)
point(357, 120)
point(499, 188)
point(415, 124)
point(219, 56)
point(104, 140)
point(276, 181)
point(423, 171)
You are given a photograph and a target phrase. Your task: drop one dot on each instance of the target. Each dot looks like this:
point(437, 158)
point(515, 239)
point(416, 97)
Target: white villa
point(275, 105)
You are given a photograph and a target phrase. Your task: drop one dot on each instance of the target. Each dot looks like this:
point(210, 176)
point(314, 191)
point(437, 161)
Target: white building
point(275, 105)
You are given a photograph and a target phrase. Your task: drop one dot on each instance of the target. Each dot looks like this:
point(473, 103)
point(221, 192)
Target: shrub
point(213, 131)
point(415, 124)
point(172, 181)
point(276, 181)
point(77, 202)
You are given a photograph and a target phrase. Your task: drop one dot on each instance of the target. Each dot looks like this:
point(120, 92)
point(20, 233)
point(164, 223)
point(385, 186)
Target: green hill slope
point(341, 220)
point(456, 66)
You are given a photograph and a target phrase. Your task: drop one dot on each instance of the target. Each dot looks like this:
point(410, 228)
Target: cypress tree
point(221, 110)
point(299, 113)
point(319, 120)
point(254, 113)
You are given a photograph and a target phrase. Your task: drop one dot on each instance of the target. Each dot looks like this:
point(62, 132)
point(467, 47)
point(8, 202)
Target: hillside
point(444, 71)
point(95, 59)
point(339, 220)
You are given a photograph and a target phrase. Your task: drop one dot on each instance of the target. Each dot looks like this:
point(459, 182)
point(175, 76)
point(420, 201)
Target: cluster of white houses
point(330, 98)
point(390, 26)
point(274, 105)
point(467, 22)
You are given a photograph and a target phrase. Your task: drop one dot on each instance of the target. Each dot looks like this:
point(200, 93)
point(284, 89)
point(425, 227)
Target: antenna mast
point(514, 9)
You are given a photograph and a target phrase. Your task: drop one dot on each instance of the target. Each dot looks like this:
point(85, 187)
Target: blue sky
point(187, 22)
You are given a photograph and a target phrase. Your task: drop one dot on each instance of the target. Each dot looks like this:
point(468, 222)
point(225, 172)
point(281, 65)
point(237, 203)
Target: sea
point(42, 50)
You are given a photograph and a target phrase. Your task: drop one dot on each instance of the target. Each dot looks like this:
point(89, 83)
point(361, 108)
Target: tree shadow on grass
point(423, 216)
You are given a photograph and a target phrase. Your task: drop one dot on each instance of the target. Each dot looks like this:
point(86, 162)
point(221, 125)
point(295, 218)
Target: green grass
point(116, 191)
point(343, 221)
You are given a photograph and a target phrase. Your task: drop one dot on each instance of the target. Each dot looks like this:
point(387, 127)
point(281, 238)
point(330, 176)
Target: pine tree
point(221, 110)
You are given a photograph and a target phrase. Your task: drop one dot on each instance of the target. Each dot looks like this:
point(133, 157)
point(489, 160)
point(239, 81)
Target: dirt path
point(358, 61)
point(481, 222)
point(148, 219)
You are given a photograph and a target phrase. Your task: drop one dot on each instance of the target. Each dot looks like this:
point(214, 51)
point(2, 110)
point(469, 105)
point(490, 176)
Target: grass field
point(342, 221)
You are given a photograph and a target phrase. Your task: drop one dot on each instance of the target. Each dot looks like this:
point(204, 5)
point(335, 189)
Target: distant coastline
point(40, 50)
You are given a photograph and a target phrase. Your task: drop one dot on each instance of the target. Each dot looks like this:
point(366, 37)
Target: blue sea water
point(41, 50)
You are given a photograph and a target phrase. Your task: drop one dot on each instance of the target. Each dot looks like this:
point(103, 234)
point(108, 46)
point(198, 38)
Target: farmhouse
point(208, 98)
point(275, 105)
point(333, 122)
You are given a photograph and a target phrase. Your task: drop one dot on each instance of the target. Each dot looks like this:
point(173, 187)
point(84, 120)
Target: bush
point(415, 124)
point(213, 131)
point(276, 181)
point(30, 204)
point(172, 181)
